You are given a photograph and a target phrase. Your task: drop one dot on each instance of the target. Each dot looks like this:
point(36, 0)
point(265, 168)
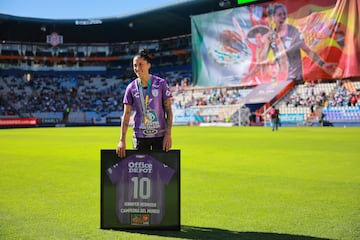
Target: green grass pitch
point(236, 183)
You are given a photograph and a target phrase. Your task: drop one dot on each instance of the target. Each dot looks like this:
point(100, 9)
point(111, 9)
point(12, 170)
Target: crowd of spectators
point(103, 94)
point(48, 93)
point(340, 96)
point(81, 93)
point(309, 98)
point(343, 97)
point(209, 97)
point(5, 109)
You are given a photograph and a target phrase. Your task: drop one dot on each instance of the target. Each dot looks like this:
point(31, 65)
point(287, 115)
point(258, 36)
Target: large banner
point(141, 191)
point(277, 41)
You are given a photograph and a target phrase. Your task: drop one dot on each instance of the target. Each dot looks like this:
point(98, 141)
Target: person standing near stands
point(150, 97)
point(275, 120)
point(66, 113)
point(277, 112)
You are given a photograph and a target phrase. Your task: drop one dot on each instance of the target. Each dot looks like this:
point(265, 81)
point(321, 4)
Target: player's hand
point(167, 142)
point(120, 149)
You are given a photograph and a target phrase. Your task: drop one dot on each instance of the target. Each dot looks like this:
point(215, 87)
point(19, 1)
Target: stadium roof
point(160, 23)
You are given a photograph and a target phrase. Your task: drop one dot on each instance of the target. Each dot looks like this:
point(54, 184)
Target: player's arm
point(329, 68)
point(121, 147)
point(169, 120)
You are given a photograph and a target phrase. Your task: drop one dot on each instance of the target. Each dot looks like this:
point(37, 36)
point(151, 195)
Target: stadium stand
point(97, 95)
point(90, 78)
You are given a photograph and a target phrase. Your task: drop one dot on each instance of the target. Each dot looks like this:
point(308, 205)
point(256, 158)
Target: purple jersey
point(293, 41)
point(140, 188)
point(156, 124)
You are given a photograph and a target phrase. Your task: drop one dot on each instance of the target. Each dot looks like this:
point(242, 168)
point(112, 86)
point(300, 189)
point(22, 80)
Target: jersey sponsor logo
point(139, 167)
point(150, 132)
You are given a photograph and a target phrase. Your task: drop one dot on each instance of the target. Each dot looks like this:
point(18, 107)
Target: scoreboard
point(247, 2)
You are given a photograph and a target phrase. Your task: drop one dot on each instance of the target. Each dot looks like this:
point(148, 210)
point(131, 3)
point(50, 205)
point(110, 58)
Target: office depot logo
point(139, 167)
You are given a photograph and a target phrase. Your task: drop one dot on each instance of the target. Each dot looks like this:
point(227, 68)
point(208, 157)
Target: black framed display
point(140, 191)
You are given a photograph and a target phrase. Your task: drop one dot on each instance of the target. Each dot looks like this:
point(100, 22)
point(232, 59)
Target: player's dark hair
point(143, 53)
point(271, 10)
